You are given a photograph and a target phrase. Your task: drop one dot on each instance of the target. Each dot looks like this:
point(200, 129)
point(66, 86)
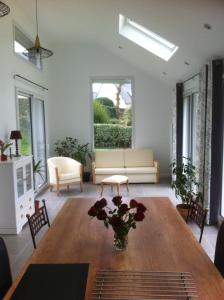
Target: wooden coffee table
point(116, 180)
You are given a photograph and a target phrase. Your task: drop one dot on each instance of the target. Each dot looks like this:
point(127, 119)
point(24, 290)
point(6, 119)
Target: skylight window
point(146, 38)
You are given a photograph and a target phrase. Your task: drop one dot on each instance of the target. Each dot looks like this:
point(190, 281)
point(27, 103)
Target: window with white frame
point(190, 102)
point(112, 113)
point(21, 43)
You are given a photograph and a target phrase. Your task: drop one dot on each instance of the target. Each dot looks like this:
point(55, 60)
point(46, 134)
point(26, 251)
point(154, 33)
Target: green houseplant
point(185, 184)
point(70, 147)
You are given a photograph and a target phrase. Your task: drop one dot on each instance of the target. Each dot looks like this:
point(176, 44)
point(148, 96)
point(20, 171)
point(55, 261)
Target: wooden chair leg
point(57, 188)
point(51, 187)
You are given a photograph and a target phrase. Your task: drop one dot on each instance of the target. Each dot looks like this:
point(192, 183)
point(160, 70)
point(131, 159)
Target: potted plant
point(70, 147)
point(3, 147)
point(185, 184)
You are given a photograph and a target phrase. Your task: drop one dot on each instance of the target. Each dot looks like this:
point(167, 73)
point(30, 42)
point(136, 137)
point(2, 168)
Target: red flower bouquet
point(122, 218)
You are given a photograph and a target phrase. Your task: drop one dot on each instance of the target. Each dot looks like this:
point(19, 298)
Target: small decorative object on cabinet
point(3, 147)
point(17, 194)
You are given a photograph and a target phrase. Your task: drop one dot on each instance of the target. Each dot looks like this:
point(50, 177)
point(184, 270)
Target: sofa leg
point(81, 186)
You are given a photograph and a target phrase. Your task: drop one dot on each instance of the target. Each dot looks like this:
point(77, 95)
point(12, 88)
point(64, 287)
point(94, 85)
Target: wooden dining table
point(161, 242)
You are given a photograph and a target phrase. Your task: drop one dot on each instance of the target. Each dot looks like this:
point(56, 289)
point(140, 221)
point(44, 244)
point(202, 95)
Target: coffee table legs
point(112, 184)
point(127, 186)
point(101, 188)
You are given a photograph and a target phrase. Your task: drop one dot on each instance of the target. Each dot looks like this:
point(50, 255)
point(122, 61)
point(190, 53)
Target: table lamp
point(16, 135)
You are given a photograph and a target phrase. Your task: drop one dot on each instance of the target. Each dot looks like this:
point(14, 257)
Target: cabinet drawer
point(29, 209)
point(29, 200)
point(21, 215)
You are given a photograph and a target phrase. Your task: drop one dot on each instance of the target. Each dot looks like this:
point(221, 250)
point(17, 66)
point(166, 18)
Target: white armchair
point(64, 171)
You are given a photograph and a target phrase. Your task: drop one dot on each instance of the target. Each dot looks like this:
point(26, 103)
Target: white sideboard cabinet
point(16, 193)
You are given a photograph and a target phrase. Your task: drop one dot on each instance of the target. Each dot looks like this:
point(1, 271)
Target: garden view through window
point(112, 114)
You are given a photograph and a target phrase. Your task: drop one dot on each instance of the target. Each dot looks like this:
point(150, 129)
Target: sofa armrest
point(156, 165)
point(93, 171)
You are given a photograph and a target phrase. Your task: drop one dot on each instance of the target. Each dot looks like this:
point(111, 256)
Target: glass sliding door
point(39, 140)
point(31, 120)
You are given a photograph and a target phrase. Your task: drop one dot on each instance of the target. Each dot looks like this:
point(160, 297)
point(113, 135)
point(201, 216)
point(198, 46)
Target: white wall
point(11, 64)
point(70, 104)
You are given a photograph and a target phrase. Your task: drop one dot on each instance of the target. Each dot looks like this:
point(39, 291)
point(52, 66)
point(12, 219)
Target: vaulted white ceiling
point(180, 21)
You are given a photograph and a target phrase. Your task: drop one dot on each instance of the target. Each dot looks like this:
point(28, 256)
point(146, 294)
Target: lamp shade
point(15, 135)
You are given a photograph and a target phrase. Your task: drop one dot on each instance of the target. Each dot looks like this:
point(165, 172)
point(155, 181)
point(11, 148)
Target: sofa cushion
point(110, 171)
point(109, 158)
point(141, 170)
point(138, 158)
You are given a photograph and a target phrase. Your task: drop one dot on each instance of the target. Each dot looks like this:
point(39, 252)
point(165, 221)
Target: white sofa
point(137, 164)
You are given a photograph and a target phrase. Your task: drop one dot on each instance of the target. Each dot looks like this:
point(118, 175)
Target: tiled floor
point(20, 246)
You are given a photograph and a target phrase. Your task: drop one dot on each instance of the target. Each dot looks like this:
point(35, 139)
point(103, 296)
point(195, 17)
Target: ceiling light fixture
point(4, 9)
point(37, 50)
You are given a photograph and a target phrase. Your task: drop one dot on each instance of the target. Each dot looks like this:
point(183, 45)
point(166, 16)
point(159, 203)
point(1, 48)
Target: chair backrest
point(63, 165)
point(5, 270)
point(219, 250)
point(197, 214)
point(37, 221)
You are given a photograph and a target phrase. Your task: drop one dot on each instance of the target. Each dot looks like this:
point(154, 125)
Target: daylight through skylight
point(146, 38)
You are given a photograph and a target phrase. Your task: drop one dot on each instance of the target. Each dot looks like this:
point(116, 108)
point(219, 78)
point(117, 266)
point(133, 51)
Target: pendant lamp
point(37, 50)
point(4, 9)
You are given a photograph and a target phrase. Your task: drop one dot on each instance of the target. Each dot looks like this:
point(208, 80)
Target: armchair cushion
point(68, 176)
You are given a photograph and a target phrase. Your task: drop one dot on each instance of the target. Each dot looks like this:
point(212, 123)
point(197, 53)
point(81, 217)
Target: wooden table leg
point(101, 188)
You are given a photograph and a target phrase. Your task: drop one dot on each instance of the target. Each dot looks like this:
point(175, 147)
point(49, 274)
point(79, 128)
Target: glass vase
point(120, 242)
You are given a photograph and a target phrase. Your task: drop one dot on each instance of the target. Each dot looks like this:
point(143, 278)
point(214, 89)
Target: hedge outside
point(112, 136)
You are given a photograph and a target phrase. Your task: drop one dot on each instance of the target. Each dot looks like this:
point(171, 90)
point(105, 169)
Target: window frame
point(16, 25)
point(33, 95)
point(110, 79)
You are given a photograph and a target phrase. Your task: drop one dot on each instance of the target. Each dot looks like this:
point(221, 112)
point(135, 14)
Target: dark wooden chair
point(37, 221)
point(219, 250)
point(197, 214)
point(5, 270)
